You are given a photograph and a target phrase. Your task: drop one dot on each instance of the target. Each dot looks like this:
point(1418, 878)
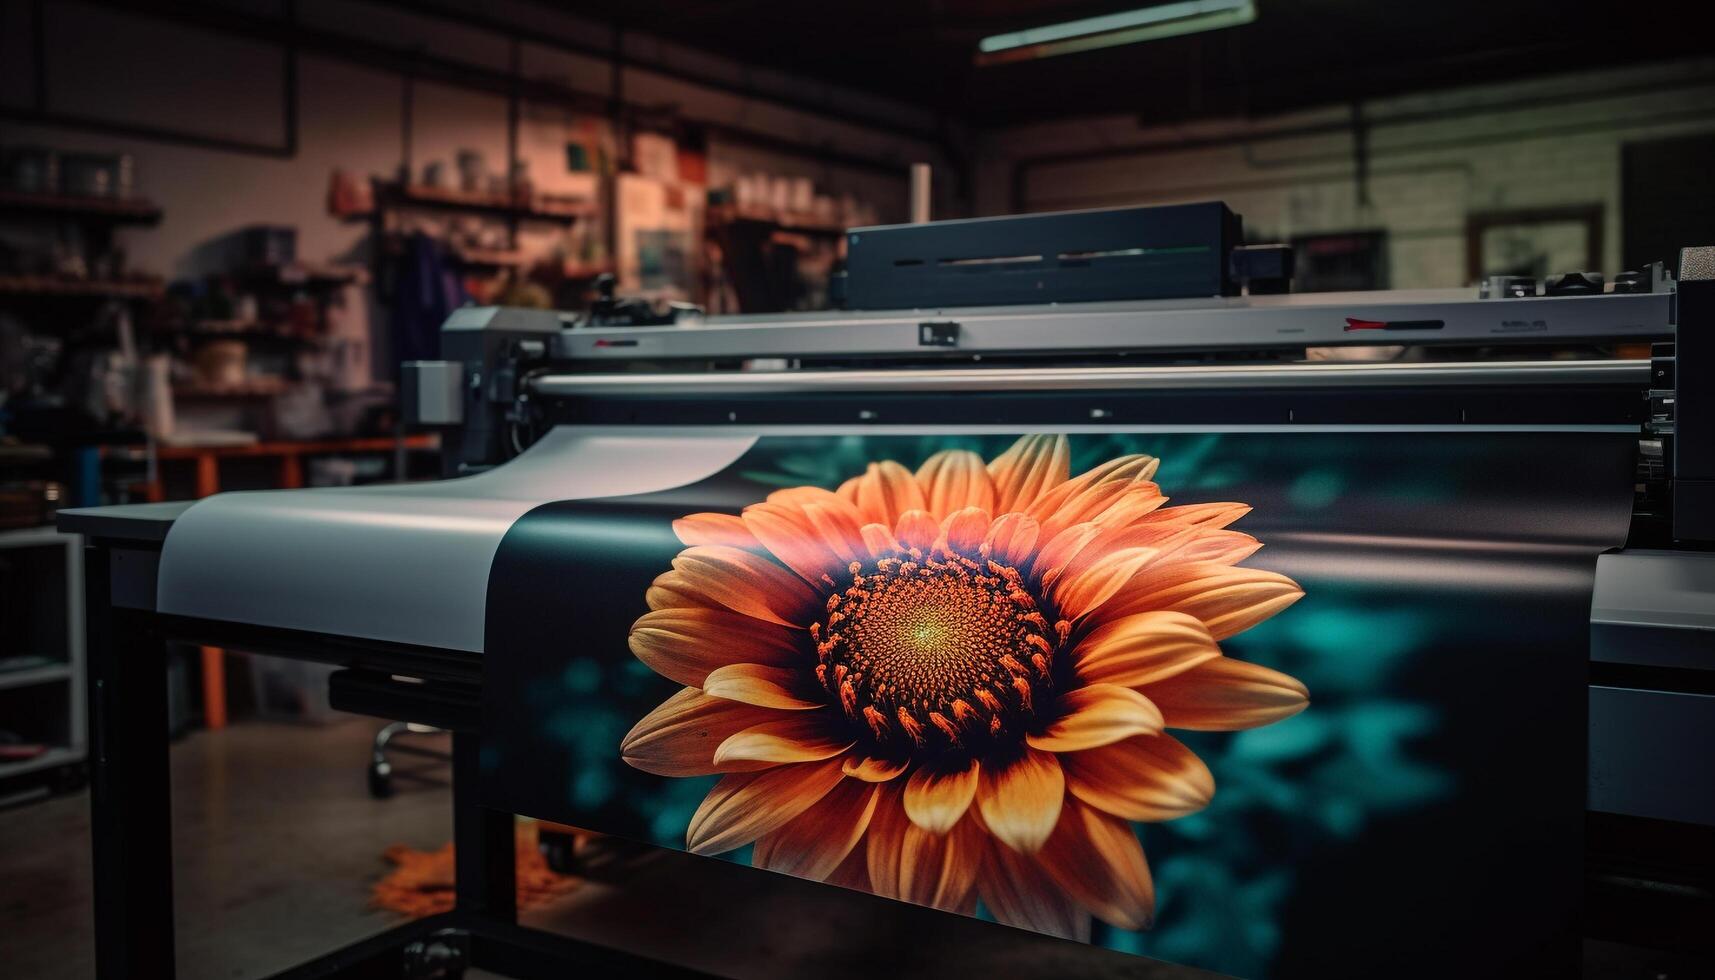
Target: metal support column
point(129, 800)
point(484, 861)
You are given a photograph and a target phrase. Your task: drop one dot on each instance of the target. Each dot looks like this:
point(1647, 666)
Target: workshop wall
point(351, 116)
point(1433, 159)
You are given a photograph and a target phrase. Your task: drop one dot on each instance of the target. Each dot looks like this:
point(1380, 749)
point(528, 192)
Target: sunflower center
point(948, 651)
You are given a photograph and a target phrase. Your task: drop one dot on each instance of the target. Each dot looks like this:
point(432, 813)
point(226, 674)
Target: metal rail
point(1440, 318)
point(1296, 375)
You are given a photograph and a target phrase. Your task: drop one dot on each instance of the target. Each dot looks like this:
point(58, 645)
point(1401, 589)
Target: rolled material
point(1004, 674)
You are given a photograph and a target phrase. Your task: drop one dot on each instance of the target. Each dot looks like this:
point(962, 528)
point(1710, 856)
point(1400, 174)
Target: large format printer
point(1142, 323)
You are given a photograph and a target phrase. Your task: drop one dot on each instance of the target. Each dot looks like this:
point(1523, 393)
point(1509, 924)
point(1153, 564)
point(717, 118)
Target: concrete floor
point(276, 844)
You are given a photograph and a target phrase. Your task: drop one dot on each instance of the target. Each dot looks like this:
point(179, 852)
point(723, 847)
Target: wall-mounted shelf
point(496, 258)
point(306, 274)
point(113, 210)
point(41, 612)
point(55, 756)
point(238, 330)
point(50, 286)
point(252, 388)
point(585, 270)
point(527, 207)
point(224, 326)
point(31, 676)
point(799, 221)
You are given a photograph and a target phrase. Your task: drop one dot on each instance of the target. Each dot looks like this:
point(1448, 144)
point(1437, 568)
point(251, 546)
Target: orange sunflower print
point(953, 685)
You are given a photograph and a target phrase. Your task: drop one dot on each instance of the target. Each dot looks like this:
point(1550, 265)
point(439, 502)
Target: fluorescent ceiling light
point(1112, 30)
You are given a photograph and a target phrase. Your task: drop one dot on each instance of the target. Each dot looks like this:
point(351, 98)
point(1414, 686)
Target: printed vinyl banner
point(1271, 704)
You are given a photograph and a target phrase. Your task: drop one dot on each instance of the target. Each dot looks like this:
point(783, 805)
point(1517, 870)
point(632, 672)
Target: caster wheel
point(442, 956)
point(380, 780)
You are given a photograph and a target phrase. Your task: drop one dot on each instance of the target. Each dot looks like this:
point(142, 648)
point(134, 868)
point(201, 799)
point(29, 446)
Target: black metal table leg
point(129, 801)
point(484, 861)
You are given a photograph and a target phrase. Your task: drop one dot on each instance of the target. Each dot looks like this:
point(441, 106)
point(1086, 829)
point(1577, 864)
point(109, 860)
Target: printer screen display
point(1240, 700)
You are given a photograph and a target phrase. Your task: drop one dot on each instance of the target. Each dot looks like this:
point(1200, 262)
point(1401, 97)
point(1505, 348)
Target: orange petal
point(1097, 714)
point(1225, 695)
point(848, 490)
point(1225, 547)
point(1098, 570)
point(910, 864)
point(917, 529)
point(879, 540)
point(964, 530)
point(1149, 777)
point(816, 843)
point(853, 872)
point(1020, 802)
point(1130, 506)
point(1110, 505)
point(1143, 648)
point(746, 583)
point(1058, 551)
point(671, 590)
point(1011, 538)
point(1090, 495)
point(1097, 860)
point(765, 687)
point(1034, 465)
point(727, 529)
point(685, 643)
point(680, 736)
point(935, 800)
point(1227, 599)
point(744, 806)
point(803, 736)
point(953, 479)
point(813, 533)
point(887, 490)
point(1212, 516)
point(838, 522)
point(1017, 890)
point(872, 769)
point(1130, 468)
point(1088, 583)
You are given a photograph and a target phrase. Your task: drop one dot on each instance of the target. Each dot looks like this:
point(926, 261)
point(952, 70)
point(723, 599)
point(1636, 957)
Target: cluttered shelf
point(57, 286)
point(239, 329)
point(79, 207)
point(20, 759)
point(586, 270)
point(300, 273)
point(288, 456)
point(805, 222)
point(473, 257)
point(425, 442)
point(525, 205)
point(257, 387)
point(36, 673)
point(491, 257)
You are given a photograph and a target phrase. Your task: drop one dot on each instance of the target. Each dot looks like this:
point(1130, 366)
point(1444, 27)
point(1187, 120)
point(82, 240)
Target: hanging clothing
point(426, 290)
